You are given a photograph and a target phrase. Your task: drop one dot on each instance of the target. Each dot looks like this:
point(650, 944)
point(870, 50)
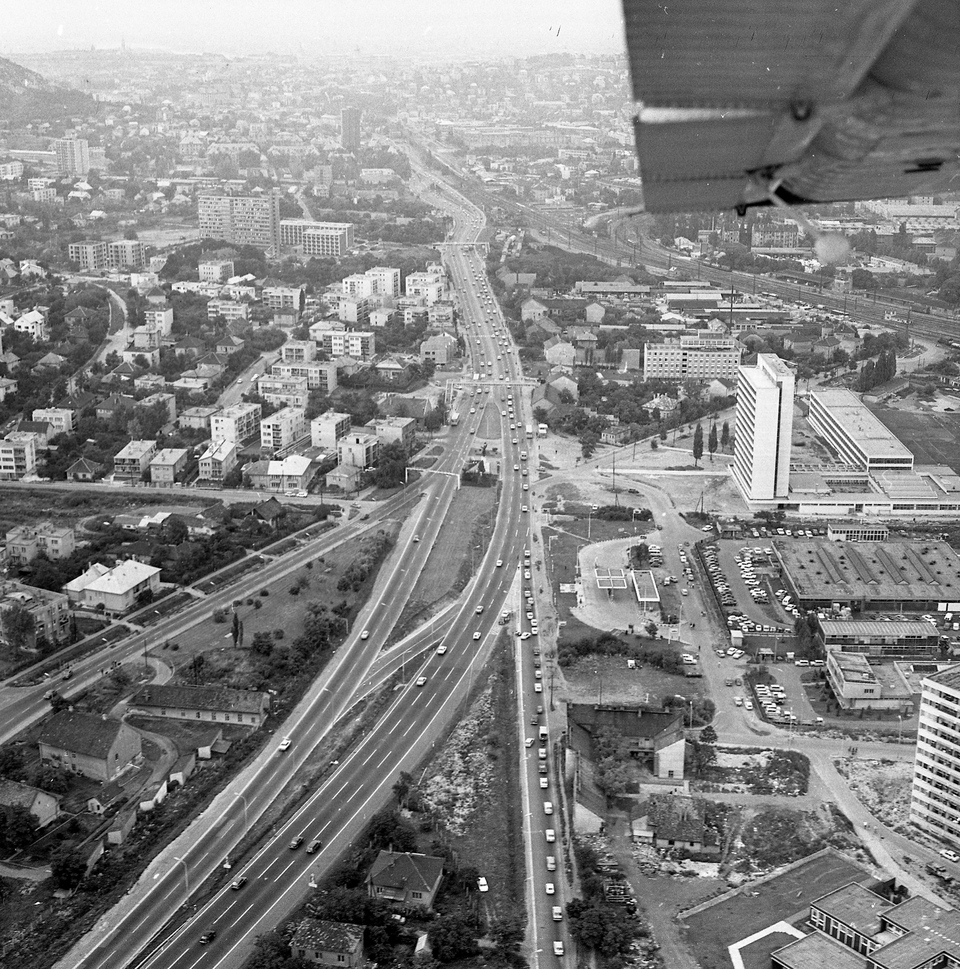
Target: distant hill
point(26, 96)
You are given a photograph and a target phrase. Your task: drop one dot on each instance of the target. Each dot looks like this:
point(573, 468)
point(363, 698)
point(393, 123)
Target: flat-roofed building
point(327, 429)
point(858, 684)
point(298, 351)
point(317, 238)
point(386, 280)
point(319, 375)
point(238, 423)
point(62, 420)
point(394, 430)
point(897, 639)
point(241, 219)
point(228, 309)
point(358, 450)
point(293, 473)
point(283, 391)
point(26, 542)
point(167, 464)
point(854, 433)
point(133, 460)
point(935, 794)
point(217, 461)
point(18, 456)
point(858, 531)
point(283, 428)
point(359, 344)
point(198, 417)
point(703, 355)
point(870, 576)
point(761, 455)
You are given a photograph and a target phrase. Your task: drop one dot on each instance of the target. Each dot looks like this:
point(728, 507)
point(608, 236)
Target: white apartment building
point(283, 298)
point(283, 428)
point(327, 429)
point(93, 254)
point(358, 450)
point(10, 171)
point(241, 219)
point(284, 391)
point(761, 455)
point(134, 459)
point(354, 309)
point(62, 420)
point(854, 433)
point(317, 238)
point(359, 344)
point(228, 309)
point(429, 286)
point(33, 323)
point(73, 156)
point(358, 285)
point(219, 459)
point(159, 318)
point(215, 270)
point(298, 351)
point(935, 796)
point(236, 424)
point(703, 355)
point(26, 542)
point(386, 280)
point(318, 374)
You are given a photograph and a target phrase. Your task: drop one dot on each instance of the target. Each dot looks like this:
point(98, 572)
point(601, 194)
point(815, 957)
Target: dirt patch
point(754, 771)
point(883, 787)
point(606, 679)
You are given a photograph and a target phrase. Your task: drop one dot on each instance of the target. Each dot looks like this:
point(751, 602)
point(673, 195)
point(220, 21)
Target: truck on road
point(530, 431)
point(454, 418)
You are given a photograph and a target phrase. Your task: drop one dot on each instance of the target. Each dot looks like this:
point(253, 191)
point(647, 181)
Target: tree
point(453, 937)
point(712, 441)
point(262, 644)
point(402, 787)
point(21, 828)
point(708, 735)
point(654, 444)
point(588, 443)
point(19, 627)
point(67, 867)
point(663, 433)
point(697, 444)
point(725, 434)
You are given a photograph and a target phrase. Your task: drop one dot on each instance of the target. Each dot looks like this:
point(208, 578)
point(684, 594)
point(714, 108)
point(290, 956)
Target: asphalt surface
point(278, 876)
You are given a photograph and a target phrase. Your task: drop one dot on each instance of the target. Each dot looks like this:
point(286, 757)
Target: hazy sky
point(440, 28)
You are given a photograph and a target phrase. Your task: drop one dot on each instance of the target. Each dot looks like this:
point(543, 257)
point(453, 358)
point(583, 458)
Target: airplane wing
point(821, 101)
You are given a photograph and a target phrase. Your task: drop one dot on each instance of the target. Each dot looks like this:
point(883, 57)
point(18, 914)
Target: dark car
point(297, 841)
point(314, 846)
point(208, 937)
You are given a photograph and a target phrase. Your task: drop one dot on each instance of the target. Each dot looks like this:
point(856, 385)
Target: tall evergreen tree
point(712, 441)
point(725, 434)
point(697, 444)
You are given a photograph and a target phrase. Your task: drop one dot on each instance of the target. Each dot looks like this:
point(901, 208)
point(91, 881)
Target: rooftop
point(327, 936)
point(859, 423)
point(82, 733)
point(407, 870)
point(815, 951)
point(908, 629)
point(200, 698)
point(898, 571)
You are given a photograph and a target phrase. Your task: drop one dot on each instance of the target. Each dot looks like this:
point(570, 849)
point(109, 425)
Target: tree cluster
point(875, 373)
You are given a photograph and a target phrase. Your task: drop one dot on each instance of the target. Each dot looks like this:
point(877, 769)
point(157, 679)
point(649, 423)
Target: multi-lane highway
point(277, 877)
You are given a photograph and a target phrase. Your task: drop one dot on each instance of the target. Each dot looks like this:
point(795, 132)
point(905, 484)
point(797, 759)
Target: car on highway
point(550, 888)
point(528, 742)
point(557, 913)
point(476, 635)
point(441, 649)
point(949, 854)
point(421, 681)
point(238, 883)
point(558, 948)
point(544, 782)
point(479, 610)
point(296, 842)
point(314, 846)
point(285, 744)
point(538, 687)
point(551, 863)
point(208, 937)
point(523, 508)
point(526, 575)
point(499, 563)
point(524, 635)
point(365, 634)
point(482, 884)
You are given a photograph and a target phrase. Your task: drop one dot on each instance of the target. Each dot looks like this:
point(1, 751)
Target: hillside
point(26, 96)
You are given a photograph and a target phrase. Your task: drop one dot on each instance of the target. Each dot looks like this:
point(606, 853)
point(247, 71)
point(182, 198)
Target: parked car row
point(711, 556)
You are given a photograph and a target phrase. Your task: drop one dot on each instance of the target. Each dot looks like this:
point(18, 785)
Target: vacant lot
point(606, 679)
point(932, 437)
point(784, 897)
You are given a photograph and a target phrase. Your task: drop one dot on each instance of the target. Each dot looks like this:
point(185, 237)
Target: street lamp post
point(243, 798)
point(899, 728)
point(186, 872)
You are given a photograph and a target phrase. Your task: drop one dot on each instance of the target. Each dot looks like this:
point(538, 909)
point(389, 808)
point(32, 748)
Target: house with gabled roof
point(85, 743)
point(213, 704)
point(675, 821)
point(328, 943)
point(407, 878)
point(43, 805)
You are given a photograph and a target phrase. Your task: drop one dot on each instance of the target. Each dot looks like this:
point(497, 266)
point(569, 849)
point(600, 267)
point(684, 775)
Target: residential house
point(228, 345)
point(115, 590)
point(532, 309)
point(198, 417)
point(394, 430)
point(85, 743)
point(43, 805)
point(595, 312)
point(440, 348)
point(293, 473)
point(559, 353)
point(328, 943)
point(205, 703)
point(675, 821)
point(18, 456)
point(217, 461)
point(391, 370)
point(41, 430)
point(114, 404)
point(26, 542)
point(84, 470)
point(132, 461)
point(62, 420)
point(654, 736)
point(167, 464)
point(50, 610)
point(409, 879)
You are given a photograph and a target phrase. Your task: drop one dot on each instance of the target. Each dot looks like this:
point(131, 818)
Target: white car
point(544, 782)
point(524, 635)
point(365, 634)
point(499, 563)
point(523, 508)
point(285, 744)
point(558, 948)
point(550, 889)
point(482, 884)
point(476, 635)
point(421, 680)
point(441, 649)
point(949, 854)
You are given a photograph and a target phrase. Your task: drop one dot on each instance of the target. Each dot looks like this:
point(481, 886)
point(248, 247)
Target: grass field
point(932, 437)
point(710, 932)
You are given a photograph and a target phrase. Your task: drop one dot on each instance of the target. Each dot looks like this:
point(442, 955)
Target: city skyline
point(366, 27)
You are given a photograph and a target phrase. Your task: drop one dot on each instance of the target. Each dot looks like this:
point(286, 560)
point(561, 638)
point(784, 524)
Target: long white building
point(761, 454)
point(703, 355)
point(855, 434)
